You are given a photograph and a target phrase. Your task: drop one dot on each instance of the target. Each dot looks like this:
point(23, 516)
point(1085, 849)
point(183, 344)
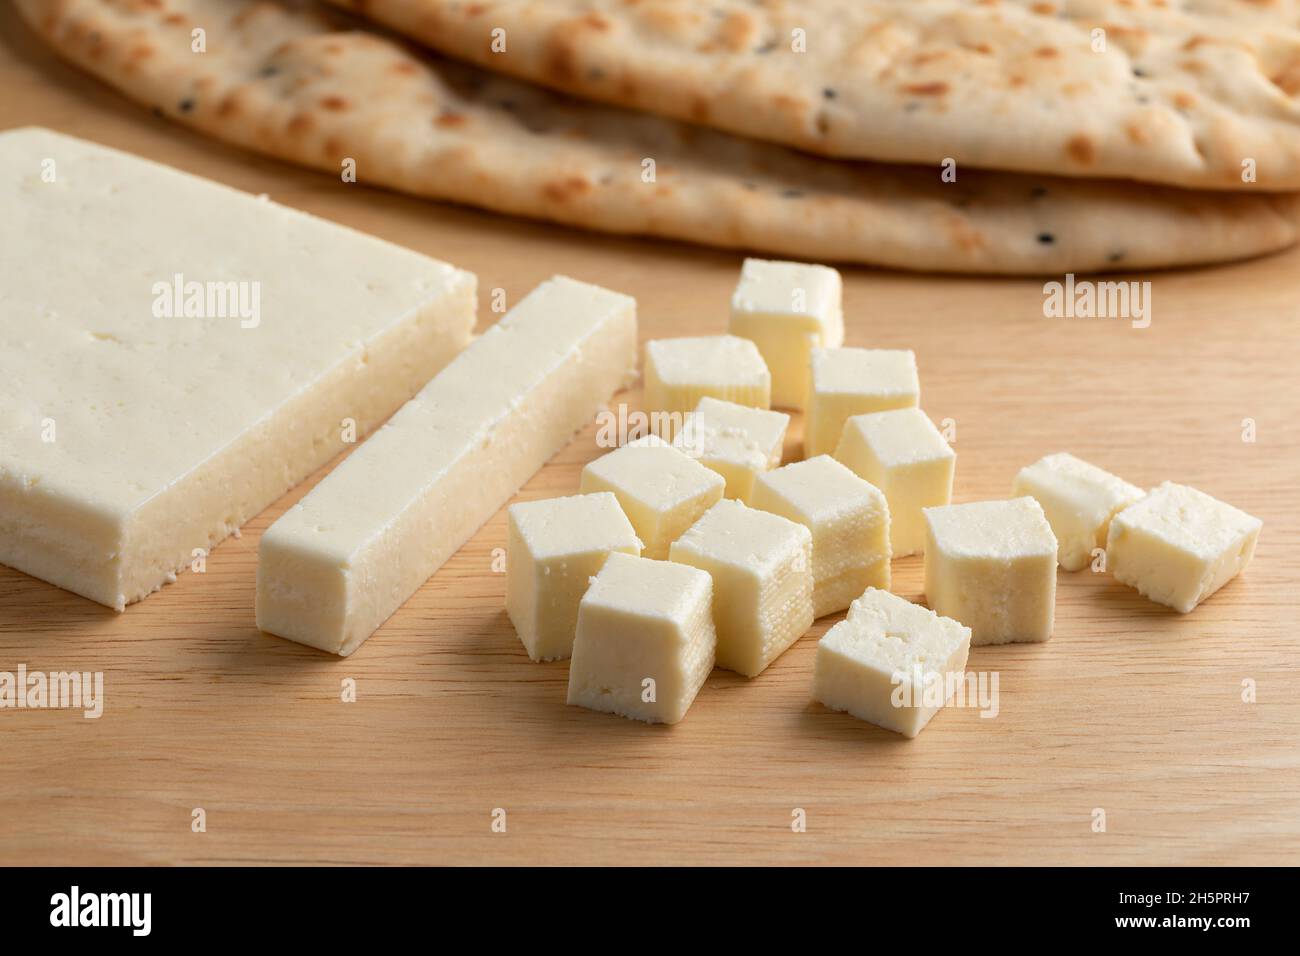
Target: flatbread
point(280, 79)
point(1183, 93)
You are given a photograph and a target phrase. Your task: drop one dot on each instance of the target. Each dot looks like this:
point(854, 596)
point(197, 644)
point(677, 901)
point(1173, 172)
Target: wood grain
point(1130, 707)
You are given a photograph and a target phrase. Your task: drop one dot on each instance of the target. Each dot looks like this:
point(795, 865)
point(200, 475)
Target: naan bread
point(1182, 93)
point(283, 80)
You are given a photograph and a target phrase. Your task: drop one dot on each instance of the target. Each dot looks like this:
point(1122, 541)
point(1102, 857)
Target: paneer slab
point(338, 563)
point(175, 355)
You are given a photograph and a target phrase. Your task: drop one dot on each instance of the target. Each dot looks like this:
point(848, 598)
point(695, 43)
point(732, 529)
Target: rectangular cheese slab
point(175, 355)
point(338, 563)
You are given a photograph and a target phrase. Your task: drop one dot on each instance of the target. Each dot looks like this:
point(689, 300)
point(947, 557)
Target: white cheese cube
point(848, 382)
point(890, 662)
point(176, 355)
point(554, 548)
point(645, 640)
point(788, 309)
point(905, 456)
point(762, 588)
point(849, 521)
point(1178, 545)
point(679, 372)
point(1079, 500)
point(661, 490)
point(737, 442)
point(992, 566)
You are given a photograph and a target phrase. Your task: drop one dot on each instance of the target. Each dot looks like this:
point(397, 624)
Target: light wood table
point(1130, 708)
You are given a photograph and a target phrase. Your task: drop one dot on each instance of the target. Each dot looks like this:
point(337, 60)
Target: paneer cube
point(762, 585)
point(554, 547)
point(849, 521)
point(1178, 545)
point(661, 490)
point(645, 640)
point(905, 456)
point(992, 566)
point(890, 662)
point(847, 382)
point(736, 441)
point(679, 372)
point(788, 309)
point(1079, 500)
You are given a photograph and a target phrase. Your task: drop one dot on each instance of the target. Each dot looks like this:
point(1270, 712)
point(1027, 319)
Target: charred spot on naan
point(566, 190)
point(1081, 149)
point(563, 55)
point(962, 233)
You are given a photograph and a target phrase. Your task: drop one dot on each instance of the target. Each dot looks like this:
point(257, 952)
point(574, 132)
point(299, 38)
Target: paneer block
point(661, 490)
point(1079, 500)
point(1178, 545)
point(848, 382)
point(890, 662)
point(788, 309)
point(736, 441)
point(175, 355)
point(762, 586)
point(992, 566)
point(332, 568)
point(849, 521)
point(679, 372)
point(554, 547)
point(645, 640)
point(905, 456)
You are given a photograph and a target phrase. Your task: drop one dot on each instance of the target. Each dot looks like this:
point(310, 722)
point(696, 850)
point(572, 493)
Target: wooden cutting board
point(1130, 709)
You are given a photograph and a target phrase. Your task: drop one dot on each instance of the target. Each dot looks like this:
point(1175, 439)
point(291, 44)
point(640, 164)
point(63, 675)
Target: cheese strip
point(338, 563)
point(175, 355)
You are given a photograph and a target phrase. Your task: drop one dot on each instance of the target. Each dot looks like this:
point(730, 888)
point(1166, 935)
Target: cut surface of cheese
point(343, 559)
point(175, 355)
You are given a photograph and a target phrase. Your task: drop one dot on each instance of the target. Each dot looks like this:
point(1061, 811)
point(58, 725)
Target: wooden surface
point(1130, 707)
